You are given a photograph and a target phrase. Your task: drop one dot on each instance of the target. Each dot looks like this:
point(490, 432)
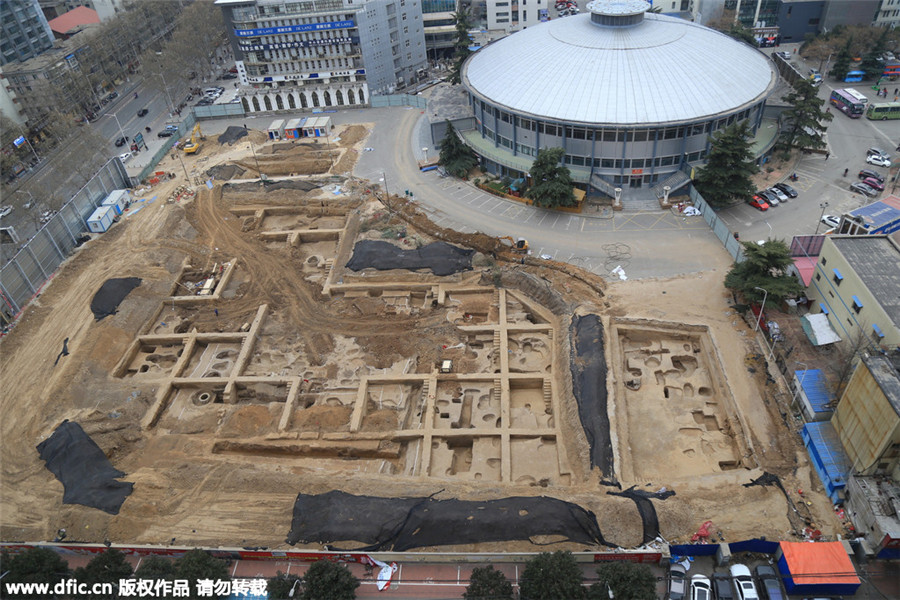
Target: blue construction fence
point(754, 545)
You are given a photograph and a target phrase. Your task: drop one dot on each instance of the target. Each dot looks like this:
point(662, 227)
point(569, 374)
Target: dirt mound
point(225, 172)
point(352, 134)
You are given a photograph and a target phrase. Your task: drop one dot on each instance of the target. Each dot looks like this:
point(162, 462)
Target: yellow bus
point(883, 111)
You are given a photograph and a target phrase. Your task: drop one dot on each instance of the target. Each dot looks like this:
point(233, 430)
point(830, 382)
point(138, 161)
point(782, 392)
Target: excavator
point(194, 145)
point(519, 246)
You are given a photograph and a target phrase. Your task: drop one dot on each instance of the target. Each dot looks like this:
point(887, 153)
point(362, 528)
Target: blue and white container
point(117, 199)
point(101, 219)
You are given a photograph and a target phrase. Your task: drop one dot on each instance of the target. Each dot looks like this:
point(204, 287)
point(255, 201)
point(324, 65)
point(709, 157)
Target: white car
point(831, 221)
point(878, 161)
point(700, 588)
point(782, 197)
point(125, 157)
point(5, 210)
point(744, 588)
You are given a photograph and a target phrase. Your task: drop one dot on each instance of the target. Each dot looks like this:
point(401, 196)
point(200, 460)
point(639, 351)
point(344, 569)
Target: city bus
point(883, 111)
point(850, 102)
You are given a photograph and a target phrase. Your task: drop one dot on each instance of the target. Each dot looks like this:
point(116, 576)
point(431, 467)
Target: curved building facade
point(631, 96)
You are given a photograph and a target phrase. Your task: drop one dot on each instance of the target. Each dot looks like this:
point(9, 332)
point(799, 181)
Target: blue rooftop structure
point(828, 457)
point(813, 392)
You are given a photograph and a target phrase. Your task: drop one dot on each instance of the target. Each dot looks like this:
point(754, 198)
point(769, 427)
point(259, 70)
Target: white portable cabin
point(317, 127)
point(101, 219)
point(117, 199)
point(293, 130)
point(276, 129)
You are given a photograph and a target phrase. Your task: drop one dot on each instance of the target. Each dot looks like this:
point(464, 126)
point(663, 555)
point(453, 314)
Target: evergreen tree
point(280, 586)
point(326, 580)
point(729, 167)
point(461, 45)
point(805, 128)
point(198, 564)
point(871, 63)
point(551, 577)
point(455, 155)
point(487, 584)
point(741, 33)
point(764, 266)
point(842, 62)
point(551, 184)
point(35, 565)
point(108, 567)
point(156, 568)
point(626, 581)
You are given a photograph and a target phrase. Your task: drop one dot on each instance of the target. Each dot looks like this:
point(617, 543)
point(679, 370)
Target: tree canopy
point(198, 564)
point(551, 577)
point(461, 44)
point(805, 118)
point(107, 567)
point(842, 62)
point(729, 168)
point(326, 580)
point(156, 567)
point(627, 581)
point(455, 155)
point(764, 266)
point(35, 565)
point(551, 183)
point(486, 583)
point(280, 586)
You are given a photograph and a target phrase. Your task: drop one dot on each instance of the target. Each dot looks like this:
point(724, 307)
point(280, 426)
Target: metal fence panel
point(398, 100)
point(215, 111)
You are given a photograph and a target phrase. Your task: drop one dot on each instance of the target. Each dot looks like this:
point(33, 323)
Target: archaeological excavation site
point(309, 361)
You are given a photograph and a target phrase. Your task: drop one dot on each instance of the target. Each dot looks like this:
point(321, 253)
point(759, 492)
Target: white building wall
point(889, 14)
point(513, 15)
point(8, 108)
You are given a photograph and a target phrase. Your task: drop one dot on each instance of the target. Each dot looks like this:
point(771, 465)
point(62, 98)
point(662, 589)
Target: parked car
point(700, 588)
point(121, 142)
point(878, 160)
point(143, 112)
point(722, 586)
point(861, 188)
point(743, 583)
point(229, 76)
point(831, 221)
point(205, 102)
point(5, 210)
point(865, 173)
point(784, 55)
point(782, 197)
point(769, 583)
point(165, 133)
point(787, 189)
point(759, 203)
point(874, 183)
point(769, 197)
point(877, 152)
point(125, 157)
point(677, 582)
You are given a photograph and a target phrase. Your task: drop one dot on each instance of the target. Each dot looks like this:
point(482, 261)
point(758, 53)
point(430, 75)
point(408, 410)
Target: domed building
point(631, 96)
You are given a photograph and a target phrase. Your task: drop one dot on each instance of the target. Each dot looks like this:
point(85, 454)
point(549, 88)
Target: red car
point(759, 203)
point(874, 183)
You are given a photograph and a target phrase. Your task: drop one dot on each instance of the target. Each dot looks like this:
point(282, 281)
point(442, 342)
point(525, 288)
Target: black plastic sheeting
point(80, 465)
point(107, 299)
point(649, 519)
point(442, 258)
point(589, 386)
point(400, 524)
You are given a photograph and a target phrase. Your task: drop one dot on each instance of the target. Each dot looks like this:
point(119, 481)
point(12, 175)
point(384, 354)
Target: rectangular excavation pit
point(212, 359)
point(322, 413)
point(154, 360)
point(296, 221)
point(194, 408)
point(517, 312)
point(530, 404)
point(675, 413)
point(534, 460)
point(472, 458)
point(392, 406)
point(530, 352)
point(466, 404)
point(472, 308)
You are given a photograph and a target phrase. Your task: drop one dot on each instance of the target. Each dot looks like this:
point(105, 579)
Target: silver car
point(677, 582)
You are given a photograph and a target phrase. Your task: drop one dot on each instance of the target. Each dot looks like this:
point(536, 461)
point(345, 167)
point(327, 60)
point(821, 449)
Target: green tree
point(741, 33)
point(871, 63)
point(198, 564)
point(805, 128)
point(35, 565)
point(326, 580)
point(551, 183)
point(552, 577)
point(842, 62)
point(108, 567)
point(280, 586)
point(626, 580)
point(485, 583)
point(157, 568)
point(729, 167)
point(461, 44)
point(764, 266)
point(455, 155)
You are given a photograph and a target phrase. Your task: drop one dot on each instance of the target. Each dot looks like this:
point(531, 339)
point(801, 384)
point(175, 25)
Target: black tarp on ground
point(400, 524)
point(107, 299)
point(80, 465)
point(649, 519)
point(442, 258)
point(589, 386)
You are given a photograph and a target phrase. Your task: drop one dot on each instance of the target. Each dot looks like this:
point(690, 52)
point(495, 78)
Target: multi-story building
point(24, 32)
point(888, 14)
point(106, 9)
point(440, 27)
point(513, 15)
point(320, 53)
point(684, 9)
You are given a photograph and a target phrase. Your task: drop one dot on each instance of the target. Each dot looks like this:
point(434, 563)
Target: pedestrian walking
point(216, 310)
point(827, 154)
point(847, 170)
point(896, 90)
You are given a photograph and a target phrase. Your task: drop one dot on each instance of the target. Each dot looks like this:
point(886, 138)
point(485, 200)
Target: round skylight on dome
point(618, 7)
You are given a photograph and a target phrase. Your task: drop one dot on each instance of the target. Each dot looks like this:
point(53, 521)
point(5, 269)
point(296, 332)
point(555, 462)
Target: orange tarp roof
point(818, 562)
point(77, 16)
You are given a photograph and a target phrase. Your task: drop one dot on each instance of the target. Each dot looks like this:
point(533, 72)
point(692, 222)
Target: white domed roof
point(661, 70)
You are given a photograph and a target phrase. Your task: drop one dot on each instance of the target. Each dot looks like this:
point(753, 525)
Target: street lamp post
point(115, 116)
point(823, 206)
point(761, 308)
